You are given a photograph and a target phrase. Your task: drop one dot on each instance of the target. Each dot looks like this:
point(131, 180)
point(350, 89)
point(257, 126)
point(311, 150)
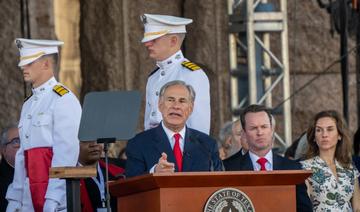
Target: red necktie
point(262, 162)
point(177, 151)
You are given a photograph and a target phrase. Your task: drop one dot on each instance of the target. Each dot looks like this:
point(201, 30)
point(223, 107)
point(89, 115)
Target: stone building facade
point(111, 57)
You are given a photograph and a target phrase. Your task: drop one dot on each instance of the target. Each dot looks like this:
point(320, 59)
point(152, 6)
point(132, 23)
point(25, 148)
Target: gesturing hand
point(163, 165)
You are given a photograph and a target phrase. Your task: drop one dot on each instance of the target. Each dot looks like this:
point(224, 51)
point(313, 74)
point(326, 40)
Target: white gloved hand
point(13, 206)
point(50, 205)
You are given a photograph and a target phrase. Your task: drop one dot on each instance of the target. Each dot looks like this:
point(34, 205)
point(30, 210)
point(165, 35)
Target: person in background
point(163, 38)
point(302, 147)
point(93, 190)
point(233, 141)
point(225, 138)
point(10, 143)
point(221, 150)
point(291, 150)
point(48, 128)
point(172, 146)
point(333, 185)
point(259, 133)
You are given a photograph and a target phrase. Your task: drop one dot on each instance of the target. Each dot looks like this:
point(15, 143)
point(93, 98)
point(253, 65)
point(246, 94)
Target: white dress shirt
point(268, 164)
point(170, 134)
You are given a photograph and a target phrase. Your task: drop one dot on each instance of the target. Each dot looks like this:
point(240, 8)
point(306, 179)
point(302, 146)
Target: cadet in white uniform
point(163, 38)
point(48, 128)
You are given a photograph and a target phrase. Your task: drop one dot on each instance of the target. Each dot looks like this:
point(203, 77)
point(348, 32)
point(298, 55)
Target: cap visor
point(152, 37)
point(26, 62)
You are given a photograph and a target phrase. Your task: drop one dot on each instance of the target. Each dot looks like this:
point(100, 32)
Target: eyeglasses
point(13, 141)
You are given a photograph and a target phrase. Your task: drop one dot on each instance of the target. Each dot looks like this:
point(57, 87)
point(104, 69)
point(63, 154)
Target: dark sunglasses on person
point(13, 141)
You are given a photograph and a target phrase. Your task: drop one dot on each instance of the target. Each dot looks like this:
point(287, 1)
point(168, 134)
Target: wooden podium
point(189, 191)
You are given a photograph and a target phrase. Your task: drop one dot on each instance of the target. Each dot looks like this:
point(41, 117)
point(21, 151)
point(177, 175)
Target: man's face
point(32, 72)
point(90, 152)
point(175, 106)
point(11, 147)
point(236, 133)
point(160, 48)
point(258, 132)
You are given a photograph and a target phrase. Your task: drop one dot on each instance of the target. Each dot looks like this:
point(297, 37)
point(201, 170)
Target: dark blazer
point(6, 178)
point(243, 163)
point(143, 152)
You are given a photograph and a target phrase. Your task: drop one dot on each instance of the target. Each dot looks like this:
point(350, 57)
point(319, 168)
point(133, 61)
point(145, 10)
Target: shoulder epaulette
point(153, 72)
point(60, 90)
point(28, 97)
point(190, 65)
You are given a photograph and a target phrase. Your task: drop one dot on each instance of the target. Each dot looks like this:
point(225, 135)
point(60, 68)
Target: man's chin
point(27, 79)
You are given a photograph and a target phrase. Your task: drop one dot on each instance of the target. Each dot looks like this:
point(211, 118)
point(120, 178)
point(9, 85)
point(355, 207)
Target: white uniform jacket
point(47, 120)
point(172, 69)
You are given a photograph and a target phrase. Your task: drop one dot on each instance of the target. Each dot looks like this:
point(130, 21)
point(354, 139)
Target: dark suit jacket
point(243, 163)
point(6, 177)
point(143, 152)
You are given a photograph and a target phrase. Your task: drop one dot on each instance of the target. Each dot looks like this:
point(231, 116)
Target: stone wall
point(312, 49)
point(12, 86)
point(112, 56)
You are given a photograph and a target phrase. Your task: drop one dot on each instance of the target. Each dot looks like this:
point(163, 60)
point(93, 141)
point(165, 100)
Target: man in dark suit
point(171, 146)
point(258, 130)
point(9, 145)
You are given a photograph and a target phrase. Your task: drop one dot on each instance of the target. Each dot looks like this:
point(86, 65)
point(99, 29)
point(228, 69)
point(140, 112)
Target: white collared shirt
point(170, 134)
point(256, 165)
point(171, 139)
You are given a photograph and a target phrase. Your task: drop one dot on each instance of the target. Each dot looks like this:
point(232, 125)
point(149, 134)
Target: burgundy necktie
point(262, 162)
point(177, 151)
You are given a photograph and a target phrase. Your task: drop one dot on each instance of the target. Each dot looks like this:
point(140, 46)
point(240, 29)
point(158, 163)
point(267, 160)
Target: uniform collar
point(173, 59)
point(47, 86)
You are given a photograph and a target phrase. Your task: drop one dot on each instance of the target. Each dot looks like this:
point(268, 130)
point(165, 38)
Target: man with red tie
point(171, 146)
point(258, 129)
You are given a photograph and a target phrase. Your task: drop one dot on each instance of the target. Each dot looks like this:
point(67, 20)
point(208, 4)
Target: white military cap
point(32, 49)
point(159, 25)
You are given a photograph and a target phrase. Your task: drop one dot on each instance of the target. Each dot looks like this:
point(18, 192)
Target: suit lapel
point(162, 144)
point(277, 162)
point(245, 163)
point(190, 151)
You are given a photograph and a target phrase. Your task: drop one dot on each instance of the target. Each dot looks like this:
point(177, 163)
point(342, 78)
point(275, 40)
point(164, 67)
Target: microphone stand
point(106, 142)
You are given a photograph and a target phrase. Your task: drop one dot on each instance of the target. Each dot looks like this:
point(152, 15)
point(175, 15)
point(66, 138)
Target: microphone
point(204, 149)
point(186, 154)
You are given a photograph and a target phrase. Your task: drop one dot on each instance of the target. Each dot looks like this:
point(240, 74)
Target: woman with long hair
point(333, 185)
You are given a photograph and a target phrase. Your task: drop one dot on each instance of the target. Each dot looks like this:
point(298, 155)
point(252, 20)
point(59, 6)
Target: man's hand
point(164, 166)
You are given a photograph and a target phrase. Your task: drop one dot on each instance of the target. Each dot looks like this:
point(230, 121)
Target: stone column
point(112, 56)
point(41, 26)
point(207, 45)
point(67, 18)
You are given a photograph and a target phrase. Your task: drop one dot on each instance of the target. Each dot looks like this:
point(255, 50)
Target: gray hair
point(5, 132)
point(178, 82)
point(225, 131)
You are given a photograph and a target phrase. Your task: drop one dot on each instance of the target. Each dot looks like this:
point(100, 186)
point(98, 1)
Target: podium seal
point(229, 199)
